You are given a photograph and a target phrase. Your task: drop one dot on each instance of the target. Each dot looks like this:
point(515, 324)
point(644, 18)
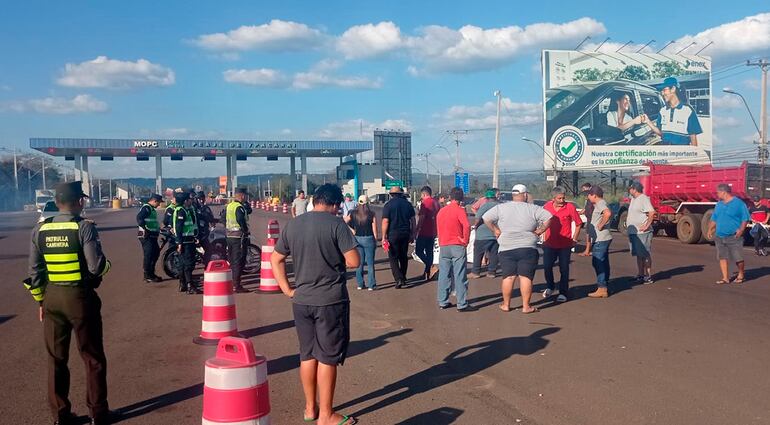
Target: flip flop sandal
point(310, 419)
point(346, 420)
point(534, 310)
point(505, 310)
point(722, 282)
point(739, 280)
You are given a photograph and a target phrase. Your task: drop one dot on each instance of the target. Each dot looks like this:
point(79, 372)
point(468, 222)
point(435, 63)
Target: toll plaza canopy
point(79, 150)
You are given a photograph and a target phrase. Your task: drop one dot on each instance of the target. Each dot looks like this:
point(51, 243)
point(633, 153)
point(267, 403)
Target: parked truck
point(684, 196)
point(43, 196)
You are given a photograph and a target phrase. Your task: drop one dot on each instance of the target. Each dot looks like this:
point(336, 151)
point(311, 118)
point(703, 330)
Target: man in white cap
point(517, 226)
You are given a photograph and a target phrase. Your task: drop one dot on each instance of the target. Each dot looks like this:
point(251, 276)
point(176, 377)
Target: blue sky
point(297, 70)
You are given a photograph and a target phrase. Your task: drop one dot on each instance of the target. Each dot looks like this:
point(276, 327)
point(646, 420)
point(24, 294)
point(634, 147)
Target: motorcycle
point(217, 242)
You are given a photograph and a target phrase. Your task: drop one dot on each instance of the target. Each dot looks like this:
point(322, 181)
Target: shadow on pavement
point(440, 416)
point(13, 256)
point(668, 274)
point(455, 367)
point(6, 318)
point(287, 363)
point(114, 228)
point(250, 333)
point(752, 274)
point(158, 402)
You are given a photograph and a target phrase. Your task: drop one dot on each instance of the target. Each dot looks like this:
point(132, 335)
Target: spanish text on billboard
point(619, 110)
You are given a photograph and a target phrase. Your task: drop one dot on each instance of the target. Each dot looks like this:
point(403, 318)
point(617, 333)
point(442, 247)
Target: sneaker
point(473, 276)
point(648, 280)
point(638, 279)
point(561, 298)
point(548, 292)
point(359, 287)
point(445, 306)
point(467, 309)
point(370, 289)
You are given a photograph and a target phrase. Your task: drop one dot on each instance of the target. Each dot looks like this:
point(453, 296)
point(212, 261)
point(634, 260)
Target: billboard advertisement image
point(610, 111)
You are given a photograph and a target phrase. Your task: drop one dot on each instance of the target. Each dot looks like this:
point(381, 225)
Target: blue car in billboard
point(589, 107)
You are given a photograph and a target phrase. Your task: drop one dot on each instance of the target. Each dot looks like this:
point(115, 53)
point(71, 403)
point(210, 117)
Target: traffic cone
point(285, 208)
point(235, 389)
point(275, 207)
point(219, 318)
point(267, 282)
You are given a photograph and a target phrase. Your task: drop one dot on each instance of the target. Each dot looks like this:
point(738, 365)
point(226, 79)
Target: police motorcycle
point(217, 242)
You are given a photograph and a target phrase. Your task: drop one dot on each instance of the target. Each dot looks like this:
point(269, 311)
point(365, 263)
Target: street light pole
point(553, 160)
point(42, 170)
point(496, 160)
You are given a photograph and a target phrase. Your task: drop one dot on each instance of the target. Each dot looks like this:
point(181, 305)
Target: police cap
point(156, 197)
point(69, 192)
point(241, 190)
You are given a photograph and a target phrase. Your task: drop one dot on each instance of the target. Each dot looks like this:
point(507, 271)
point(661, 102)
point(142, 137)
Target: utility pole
point(497, 141)
point(426, 156)
point(457, 133)
point(42, 170)
point(16, 172)
point(763, 65)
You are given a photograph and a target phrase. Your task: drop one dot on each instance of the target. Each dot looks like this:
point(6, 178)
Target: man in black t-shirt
point(321, 246)
point(760, 215)
point(398, 226)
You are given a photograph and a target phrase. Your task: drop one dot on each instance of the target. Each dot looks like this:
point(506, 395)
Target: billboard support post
point(497, 142)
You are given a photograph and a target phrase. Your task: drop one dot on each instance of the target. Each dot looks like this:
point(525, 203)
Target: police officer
point(237, 223)
point(168, 215)
point(185, 230)
point(149, 229)
point(66, 265)
point(205, 221)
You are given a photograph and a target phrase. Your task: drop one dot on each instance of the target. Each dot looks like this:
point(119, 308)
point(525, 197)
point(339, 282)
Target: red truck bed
point(668, 185)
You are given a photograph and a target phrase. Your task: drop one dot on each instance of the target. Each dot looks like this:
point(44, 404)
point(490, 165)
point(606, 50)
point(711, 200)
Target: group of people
point(189, 221)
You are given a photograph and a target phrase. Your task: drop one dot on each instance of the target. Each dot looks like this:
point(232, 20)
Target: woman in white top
point(621, 116)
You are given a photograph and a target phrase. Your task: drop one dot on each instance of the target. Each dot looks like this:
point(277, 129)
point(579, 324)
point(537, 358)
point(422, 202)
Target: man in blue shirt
point(729, 222)
point(677, 123)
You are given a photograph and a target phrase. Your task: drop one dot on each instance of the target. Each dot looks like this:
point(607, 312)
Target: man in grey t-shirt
point(639, 223)
point(321, 246)
point(517, 226)
point(299, 206)
point(599, 231)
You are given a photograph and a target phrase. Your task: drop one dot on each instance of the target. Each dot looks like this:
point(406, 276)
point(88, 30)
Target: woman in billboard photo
point(620, 115)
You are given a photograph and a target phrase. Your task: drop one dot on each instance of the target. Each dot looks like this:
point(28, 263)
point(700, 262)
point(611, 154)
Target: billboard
point(610, 111)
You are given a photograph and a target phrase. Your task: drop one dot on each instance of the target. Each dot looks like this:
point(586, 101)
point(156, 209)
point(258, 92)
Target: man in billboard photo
point(677, 123)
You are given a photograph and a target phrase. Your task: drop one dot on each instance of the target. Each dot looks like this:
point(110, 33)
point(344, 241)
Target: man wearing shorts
point(321, 246)
point(639, 224)
point(517, 226)
point(728, 222)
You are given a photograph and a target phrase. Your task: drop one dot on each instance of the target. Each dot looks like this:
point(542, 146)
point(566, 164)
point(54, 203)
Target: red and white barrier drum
point(285, 208)
point(219, 318)
point(235, 389)
point(267, 282)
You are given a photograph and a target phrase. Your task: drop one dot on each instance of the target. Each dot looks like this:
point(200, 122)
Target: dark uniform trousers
point(151, 252)
point(78, 309)
point(186, 265)
point(398, 254)
point(236, 253)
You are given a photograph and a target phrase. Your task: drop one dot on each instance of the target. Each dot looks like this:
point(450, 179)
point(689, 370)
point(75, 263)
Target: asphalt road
point(680, 351)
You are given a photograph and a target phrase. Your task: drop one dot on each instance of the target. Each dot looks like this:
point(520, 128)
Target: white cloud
point(311, 80)
point(753, 84)
point(727, 122)
point(369, 40)
point(360, 129)
point(727, 101)
point(471, 48)
point(745, 36)
point(519, 114)
point(103, 72)
point(82, 103)
point(263, 77)
point(277, 35)
point(286, 132)
point(318, 76)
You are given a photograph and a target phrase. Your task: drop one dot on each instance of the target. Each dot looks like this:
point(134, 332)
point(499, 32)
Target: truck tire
point(623, 222)
point(688, 228)
point(704, 225)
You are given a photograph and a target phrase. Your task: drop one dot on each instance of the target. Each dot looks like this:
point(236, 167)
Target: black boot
point(182, 285)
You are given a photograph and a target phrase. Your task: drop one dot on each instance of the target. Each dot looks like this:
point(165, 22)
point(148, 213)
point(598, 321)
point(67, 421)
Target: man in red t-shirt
point(559, 240)
point(454, 232)
point(426, 229)
point(760, 215)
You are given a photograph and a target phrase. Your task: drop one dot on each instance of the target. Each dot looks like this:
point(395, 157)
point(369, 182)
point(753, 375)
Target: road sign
point(462, 181)
point(393, 183)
